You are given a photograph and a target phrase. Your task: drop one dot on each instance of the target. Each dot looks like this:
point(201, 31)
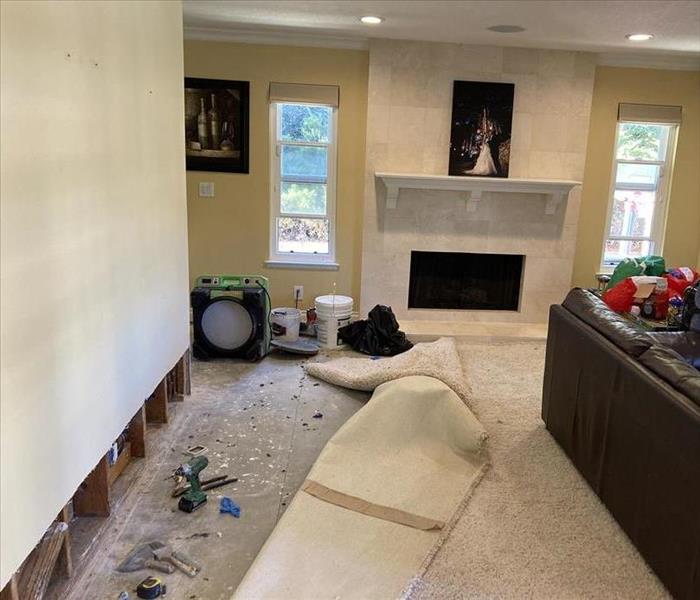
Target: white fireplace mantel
point(556, 190)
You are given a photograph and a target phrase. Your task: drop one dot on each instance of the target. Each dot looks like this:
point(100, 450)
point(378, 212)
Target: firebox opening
point(465, 280)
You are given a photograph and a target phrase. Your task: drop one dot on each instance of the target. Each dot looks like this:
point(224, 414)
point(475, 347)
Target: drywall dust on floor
point(257, 421)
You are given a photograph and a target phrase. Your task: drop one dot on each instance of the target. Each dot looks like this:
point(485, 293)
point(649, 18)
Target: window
point(303, 144)
point(639, 191)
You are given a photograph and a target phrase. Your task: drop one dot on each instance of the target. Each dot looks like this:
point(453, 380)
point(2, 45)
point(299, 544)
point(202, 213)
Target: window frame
point(657, 233)
point(302, 259)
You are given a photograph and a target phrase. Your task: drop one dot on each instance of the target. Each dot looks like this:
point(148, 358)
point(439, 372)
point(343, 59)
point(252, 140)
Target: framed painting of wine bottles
point(482, 117)
point(216, 125)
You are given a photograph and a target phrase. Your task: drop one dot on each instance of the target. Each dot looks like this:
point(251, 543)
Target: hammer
point(164, 552)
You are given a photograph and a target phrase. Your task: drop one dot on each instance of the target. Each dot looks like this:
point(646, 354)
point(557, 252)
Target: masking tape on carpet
point(370, 509)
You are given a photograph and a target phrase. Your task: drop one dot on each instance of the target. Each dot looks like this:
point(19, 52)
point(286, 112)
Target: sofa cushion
point(670, 366)
point(593, 311)
point(686, 343)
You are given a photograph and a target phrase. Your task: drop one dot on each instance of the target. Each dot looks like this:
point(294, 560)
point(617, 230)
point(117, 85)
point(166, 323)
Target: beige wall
point(94, 300)
point(229, 233)
point(612, 86)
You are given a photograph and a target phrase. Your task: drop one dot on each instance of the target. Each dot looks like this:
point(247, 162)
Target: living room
point(225, 224)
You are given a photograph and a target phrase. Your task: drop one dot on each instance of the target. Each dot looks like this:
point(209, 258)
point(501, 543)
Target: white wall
point(94, 240)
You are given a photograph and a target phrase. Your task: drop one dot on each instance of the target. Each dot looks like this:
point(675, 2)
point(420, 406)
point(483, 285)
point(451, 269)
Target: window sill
point(308, 265)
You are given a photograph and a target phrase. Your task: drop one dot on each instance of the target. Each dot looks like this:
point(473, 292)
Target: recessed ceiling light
point(639, 37)
point(506, 28)
point(371, 20)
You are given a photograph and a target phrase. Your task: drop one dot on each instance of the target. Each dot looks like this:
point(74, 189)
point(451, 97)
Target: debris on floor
point(196, 450)
point(202, 534)
point(225, 395)
point(318, 415)
point(229, 506)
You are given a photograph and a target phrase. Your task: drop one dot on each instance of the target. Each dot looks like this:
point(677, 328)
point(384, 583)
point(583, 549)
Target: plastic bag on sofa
point(630, 267)
point(621, 297)
point(627, 267)
point(655, 266)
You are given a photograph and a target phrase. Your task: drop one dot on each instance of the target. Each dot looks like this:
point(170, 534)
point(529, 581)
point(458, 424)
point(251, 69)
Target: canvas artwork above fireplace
point(482, 118)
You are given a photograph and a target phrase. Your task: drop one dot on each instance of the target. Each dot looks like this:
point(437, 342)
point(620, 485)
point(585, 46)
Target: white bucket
point(333, 305)
point(332, 312)
point(285, 322)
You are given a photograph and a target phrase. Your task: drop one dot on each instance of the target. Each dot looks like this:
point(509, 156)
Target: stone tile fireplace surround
point(408, 131)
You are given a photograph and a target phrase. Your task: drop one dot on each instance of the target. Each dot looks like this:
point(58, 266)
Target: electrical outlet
point(298, 292)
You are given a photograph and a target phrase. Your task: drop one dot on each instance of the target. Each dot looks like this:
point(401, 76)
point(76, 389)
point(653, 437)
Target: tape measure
point(150, 588)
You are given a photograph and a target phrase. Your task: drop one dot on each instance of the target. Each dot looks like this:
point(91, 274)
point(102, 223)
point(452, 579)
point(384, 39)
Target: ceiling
point(596, 26)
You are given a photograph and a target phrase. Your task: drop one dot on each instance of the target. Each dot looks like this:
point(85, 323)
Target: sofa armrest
point(593, 311)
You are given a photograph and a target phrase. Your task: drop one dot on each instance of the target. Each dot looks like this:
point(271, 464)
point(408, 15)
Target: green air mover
point(231, 316)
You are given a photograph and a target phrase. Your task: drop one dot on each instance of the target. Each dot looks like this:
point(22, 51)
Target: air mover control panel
point(232, 281)
point(231, 316)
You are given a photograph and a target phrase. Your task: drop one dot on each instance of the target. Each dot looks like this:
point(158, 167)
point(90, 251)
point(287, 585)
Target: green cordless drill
point(194, 497)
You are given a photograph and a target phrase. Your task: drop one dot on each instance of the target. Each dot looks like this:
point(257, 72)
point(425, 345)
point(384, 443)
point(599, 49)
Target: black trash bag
point(379, 335)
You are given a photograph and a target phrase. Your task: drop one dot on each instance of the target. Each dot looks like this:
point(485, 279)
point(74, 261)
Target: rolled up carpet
point(379, 500)
point(438, 359)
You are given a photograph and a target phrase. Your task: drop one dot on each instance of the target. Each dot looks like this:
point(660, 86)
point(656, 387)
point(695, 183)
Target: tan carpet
point(533, 528)
point(438, 359)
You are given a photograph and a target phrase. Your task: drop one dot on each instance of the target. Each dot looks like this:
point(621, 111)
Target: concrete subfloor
point(557, 540)
point(257, 422)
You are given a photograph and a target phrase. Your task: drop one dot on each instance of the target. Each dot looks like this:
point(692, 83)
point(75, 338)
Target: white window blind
point(649, 113)
point(303, 93)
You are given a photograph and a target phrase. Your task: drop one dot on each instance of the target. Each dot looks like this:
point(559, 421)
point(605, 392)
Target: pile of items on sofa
point(645, 288)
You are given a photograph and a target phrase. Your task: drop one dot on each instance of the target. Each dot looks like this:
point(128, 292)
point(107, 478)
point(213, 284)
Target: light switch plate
point(206, 189)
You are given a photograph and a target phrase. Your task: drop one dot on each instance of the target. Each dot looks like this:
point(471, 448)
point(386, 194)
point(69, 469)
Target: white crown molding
point(671, 62)
point(247, 36)
point(277, 38)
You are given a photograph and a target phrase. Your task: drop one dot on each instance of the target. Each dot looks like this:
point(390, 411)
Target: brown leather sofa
point(625, 408)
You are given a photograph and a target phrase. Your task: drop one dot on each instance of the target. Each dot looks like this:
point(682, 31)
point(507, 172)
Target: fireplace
point(465, 280)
